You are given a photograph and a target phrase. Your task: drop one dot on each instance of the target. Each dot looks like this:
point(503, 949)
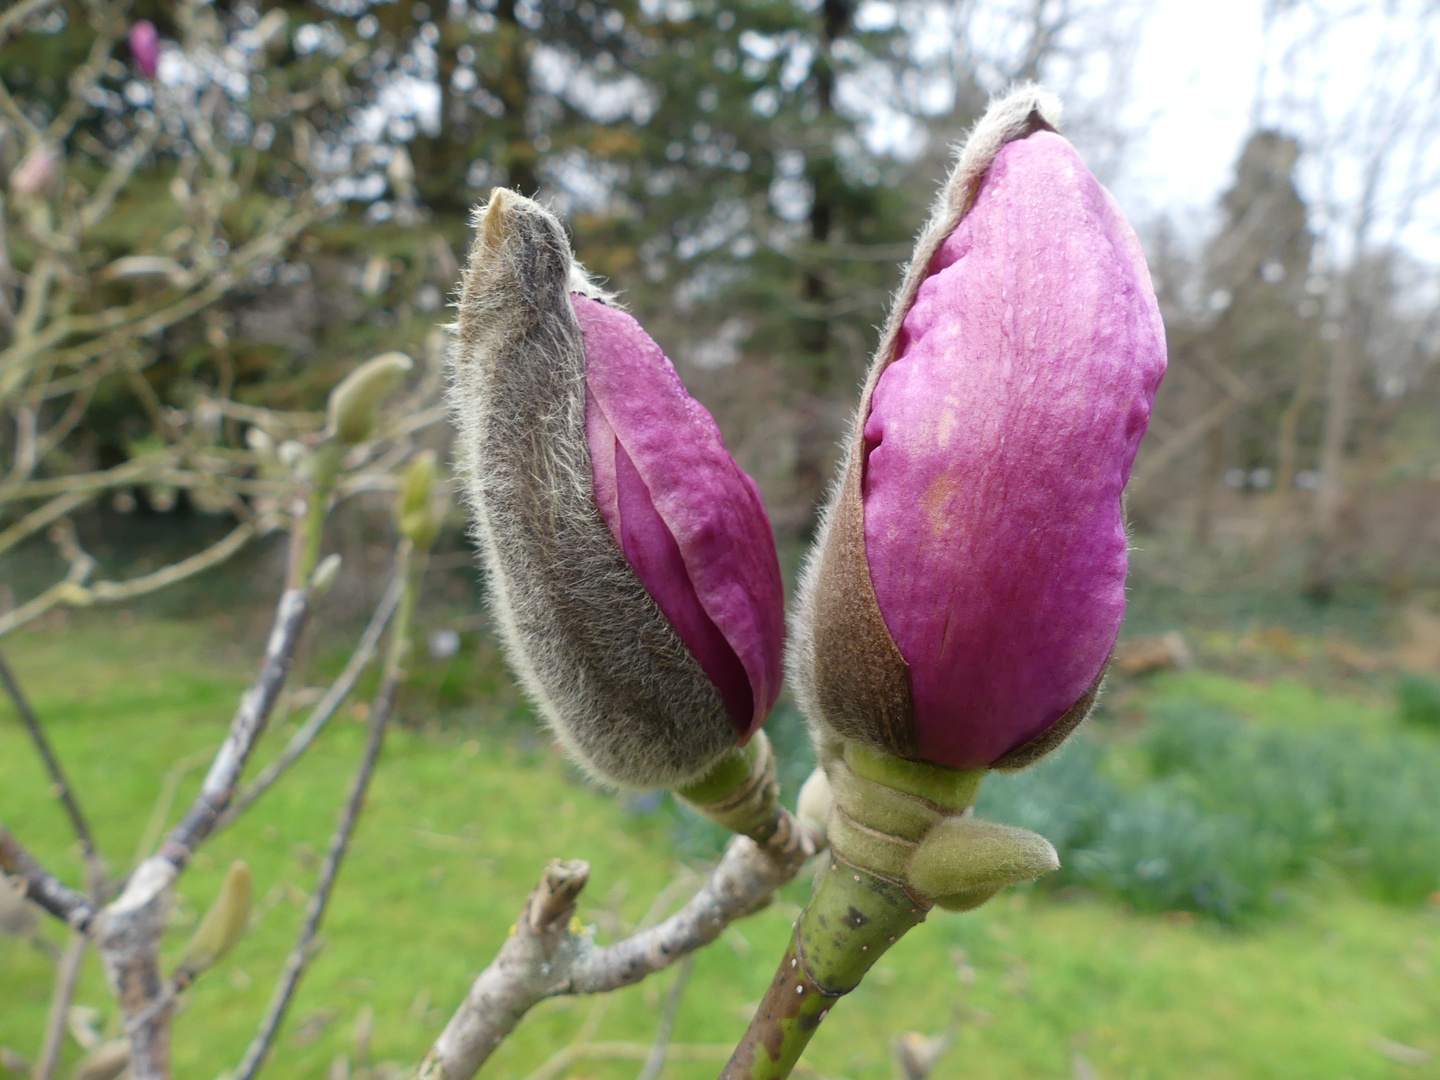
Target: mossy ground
point(463, 816)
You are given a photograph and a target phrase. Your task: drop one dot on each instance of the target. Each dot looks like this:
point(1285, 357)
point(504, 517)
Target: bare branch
point(544, 957)
point(73, 593)
point(131, 471)
point(59, 784)
point(65, 979)
point(9, 20)
point(245, 729)
point(655, 1061)
point(42, 887)
point(339, 690)
point(38, 518)
point(300, 956)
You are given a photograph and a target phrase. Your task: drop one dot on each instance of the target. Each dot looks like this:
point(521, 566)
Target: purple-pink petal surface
point(145, 47)
point(688, 519)
point(998, 442)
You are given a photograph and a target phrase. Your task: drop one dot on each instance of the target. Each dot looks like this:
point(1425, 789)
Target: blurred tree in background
point(289, 193)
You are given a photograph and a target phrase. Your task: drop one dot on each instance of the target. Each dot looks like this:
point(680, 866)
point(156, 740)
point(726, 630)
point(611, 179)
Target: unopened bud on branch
point(417, 510)
point(325, 574)
point(36, 173)
point(968, 583)
point(631, 560)
point(223, 925)
point(354, 410)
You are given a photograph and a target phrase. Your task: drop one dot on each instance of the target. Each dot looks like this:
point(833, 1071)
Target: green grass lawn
point(463, 817)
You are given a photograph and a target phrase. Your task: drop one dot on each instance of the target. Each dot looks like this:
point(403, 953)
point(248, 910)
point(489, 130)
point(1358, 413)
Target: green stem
point(412, 565)
point(741, 792)
point(852, 918)
point(324, 468)
point(883, 811)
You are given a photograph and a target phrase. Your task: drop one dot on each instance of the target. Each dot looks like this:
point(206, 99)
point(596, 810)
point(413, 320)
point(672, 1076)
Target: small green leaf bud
point(105, 1062)
point(965, 860)
point(222, 926)
point(416, 511)
point(354, 410)
point(324, 575)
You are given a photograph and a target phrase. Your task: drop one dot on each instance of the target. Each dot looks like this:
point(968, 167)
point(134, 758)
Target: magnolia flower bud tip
point(492, 220)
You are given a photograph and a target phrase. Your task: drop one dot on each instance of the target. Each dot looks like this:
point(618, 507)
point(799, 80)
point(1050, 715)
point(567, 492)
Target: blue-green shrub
point(1225, 812)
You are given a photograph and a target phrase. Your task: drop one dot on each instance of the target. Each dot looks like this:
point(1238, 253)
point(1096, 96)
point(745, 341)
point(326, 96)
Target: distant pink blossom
point(145, 47)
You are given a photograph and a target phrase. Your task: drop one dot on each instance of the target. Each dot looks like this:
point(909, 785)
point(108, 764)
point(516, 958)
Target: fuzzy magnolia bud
point(631, 560)
point(223, 925)
point(354, 409)
point(968, 584)
point(416, 511)
point(145, 47)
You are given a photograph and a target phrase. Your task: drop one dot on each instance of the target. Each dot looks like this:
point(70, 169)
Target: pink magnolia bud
point(690, 522)
point(145, 47)
point(631, 563)
point(969, 584)
point(36, 173)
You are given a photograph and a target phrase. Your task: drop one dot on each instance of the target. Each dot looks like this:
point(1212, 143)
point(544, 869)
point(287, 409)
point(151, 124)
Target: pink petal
point(689, 521)
point(998, 443)
point(145, 47)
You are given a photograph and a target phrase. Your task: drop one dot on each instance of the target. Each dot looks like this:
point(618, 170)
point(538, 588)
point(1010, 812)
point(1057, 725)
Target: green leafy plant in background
point(1417, 699)
point(1229, 815)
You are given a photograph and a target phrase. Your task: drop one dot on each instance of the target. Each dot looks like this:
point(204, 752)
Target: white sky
point(1192, 86)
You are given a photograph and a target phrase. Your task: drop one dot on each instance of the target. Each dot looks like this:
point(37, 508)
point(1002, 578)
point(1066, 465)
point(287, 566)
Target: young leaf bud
point(325, 575)
point(631, 562)
point(105, 1062)
point(965, 860)
point(416, 511)
point(354, 410)
point(967, 584)
point(222, 926)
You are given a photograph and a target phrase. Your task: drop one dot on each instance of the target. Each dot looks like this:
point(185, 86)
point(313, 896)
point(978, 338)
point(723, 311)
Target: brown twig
point(59, 783)
point(42, 887)
point(300, 955)
point(339, 690)
point(66, 976)
point(545, 957)
point(127, 932)
point(247, 726)
point(655, 1060)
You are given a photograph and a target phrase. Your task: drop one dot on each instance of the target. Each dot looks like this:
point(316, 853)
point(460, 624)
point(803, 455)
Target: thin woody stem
point(42, 887)
point(300, 955)
point(245, 729)
point(65, 979)
point(59, 783)
point(412, 572)
point(335, 696)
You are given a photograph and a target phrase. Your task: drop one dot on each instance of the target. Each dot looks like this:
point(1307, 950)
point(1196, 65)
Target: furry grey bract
point(619, 688)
